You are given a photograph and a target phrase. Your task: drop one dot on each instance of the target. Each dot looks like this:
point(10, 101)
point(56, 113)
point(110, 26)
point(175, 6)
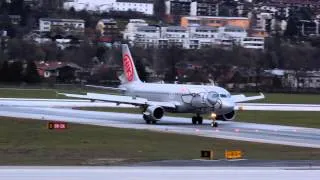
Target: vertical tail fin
point(129, 69)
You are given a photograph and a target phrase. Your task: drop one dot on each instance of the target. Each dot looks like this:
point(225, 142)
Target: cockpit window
point(213, 95)
point(223, 95)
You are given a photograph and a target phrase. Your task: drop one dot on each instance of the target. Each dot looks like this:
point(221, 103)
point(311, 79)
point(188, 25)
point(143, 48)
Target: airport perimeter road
point(156, 173)
point(275, 134)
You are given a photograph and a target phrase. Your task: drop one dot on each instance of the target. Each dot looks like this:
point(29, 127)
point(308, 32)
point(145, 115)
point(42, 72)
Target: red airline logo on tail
point(128, 67)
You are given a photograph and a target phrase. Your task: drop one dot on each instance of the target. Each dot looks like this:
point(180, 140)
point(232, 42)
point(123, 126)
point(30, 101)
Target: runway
point(157, 173)
point(275, 134)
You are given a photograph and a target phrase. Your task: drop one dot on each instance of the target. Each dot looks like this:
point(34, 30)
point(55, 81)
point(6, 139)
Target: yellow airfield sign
point(236, 154)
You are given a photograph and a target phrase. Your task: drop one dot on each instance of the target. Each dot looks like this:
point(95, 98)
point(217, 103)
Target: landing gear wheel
point(194, 120)
point(197, 120)
point(200, 120)
point(214, 124)
point(148, 120)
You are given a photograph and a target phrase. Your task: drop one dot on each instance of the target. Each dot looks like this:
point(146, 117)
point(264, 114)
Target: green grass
point(29, 142)
point(305, 119)
point(45, 93)
point(289, 98)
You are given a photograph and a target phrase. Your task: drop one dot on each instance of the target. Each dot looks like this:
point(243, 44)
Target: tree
point(16, 7)
point(15, 72)
point(4, 71)
point(141, 70)
point(159, 9)
point(32, 75)
point(173, 55)
point(291, 30)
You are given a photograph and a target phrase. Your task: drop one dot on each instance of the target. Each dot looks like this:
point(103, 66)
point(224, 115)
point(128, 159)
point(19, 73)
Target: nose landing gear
point(214, 123)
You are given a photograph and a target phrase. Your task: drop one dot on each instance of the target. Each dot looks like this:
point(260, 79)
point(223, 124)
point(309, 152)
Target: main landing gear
point(149, 120)
point(197, 119)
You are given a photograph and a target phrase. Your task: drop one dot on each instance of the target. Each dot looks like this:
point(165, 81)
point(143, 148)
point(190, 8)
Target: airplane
point(156, 98)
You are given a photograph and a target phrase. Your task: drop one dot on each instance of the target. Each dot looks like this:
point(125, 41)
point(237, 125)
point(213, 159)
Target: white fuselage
point(188, 98)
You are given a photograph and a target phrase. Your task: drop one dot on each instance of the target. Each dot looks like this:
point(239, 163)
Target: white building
point(143, 6)
point(147, 36)
point(177, 35)
point(233, 32)
point(252, 42)
point(131, 28)
point(192, 7)
point(67, 25)
point(140, 34)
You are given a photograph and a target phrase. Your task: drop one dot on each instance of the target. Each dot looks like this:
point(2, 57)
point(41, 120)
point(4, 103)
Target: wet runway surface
point(156, 173)
point(285, 135)
point(311, 164)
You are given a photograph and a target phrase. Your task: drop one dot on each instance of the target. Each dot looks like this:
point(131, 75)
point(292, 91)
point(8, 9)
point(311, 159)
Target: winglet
point(243, 98)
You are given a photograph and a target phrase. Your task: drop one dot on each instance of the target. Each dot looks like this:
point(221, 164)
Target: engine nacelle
point(154, 112)
point(227, 117)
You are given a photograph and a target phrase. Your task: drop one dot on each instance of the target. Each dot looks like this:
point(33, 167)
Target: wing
point(122, 99)
point(277, 107)
point(243, 98)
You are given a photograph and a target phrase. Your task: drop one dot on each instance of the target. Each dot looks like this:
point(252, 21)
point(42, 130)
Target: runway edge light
point(57, 125)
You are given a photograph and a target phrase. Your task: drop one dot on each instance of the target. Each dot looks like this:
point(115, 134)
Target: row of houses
point(274, 79)
point(139, 33)
point(71, 72)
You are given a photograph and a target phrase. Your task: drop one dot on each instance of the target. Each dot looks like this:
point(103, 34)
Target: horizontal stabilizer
point(107, 88)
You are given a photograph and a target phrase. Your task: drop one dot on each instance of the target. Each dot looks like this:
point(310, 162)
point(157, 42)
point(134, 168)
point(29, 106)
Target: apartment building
point(147, 36)
point(214, 21)
point(142, 6)
point(132, 27)
point(108, 28)
point(252, 42)
point(178, 7)
point(192, 7)
point(64, 26)
point(193, 37)
point(207, 8)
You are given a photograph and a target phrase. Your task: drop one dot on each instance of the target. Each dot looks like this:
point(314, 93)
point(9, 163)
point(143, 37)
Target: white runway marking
point(275, 134)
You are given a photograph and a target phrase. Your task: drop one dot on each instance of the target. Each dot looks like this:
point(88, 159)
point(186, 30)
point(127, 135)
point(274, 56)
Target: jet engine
point(153, 113)
point(227, 117)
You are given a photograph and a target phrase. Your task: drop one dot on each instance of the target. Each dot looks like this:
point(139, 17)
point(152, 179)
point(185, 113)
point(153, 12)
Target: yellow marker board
point(233, 154)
